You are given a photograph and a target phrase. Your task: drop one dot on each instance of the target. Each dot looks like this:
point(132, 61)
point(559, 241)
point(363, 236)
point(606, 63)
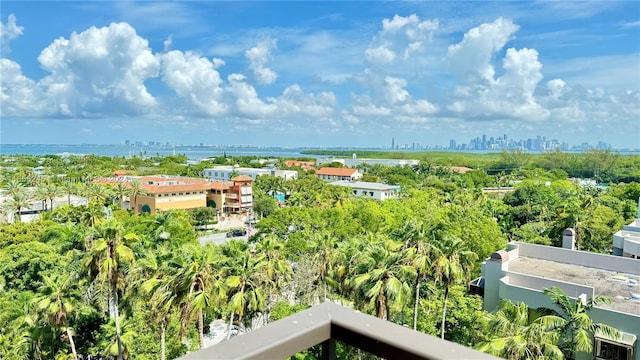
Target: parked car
point(236, 232)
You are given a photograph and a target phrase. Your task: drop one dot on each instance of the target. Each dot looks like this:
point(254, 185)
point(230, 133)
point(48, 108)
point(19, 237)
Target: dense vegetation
point(83, 282)
point(601, 165)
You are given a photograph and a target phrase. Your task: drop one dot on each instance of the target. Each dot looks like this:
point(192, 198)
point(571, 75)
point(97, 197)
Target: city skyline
point(317, 74)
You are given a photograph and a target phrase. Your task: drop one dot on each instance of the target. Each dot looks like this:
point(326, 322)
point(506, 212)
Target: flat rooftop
point(366, 185)
point(616, 286)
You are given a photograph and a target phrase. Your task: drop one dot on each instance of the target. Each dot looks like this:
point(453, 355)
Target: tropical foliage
point(93, 280)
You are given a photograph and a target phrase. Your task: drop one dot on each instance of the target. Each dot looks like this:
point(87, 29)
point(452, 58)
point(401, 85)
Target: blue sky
point(304, 73)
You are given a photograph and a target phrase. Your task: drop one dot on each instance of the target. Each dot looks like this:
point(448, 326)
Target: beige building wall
point(178, 202)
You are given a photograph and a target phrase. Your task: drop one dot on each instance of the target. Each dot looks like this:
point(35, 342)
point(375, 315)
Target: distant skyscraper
point(452, 144)
point(393, 143)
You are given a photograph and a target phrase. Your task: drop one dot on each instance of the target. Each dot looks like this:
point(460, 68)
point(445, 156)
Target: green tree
point(135, 190)
point(383, 277)
point(18, 201)
point(69, 188)
point(56, 302)
point(418, 255)
point(576, 326)
point(245, 280)
point(52, 191)
point(452, 263)
point(514, 335)
point(277, 271)
point(196, 283)
point(109, 254)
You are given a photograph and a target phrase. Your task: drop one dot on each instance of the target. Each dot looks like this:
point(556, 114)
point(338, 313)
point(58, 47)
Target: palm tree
point(418, 255)
point(40, 194)
point(135, 190)
point(13, 186)
point(152, 278)
point(383, 276)
point(69, 188)
point(277, 271)
point(96, 193)
point(52, 191)
point(121, 190)
point(577, 328)
point(92, 214)
point(108, 255)
point(323, 250)
point(515, 336)
point(18, 201)
point(244, 272)
point(452, 263)
point(55, 303)
point(195, 283)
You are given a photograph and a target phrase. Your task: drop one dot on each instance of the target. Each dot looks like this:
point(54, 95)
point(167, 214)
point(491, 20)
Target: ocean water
point(192, 152)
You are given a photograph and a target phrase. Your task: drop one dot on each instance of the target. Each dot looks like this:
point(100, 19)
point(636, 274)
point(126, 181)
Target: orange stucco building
point(162, 192)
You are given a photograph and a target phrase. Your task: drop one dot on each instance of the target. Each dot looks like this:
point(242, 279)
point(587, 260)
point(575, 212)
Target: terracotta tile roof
point(299, 163)
point(219, 185)
point(159, 184)
point(336, 171)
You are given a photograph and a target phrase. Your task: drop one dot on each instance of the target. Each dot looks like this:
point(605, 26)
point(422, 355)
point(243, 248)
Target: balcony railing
point(326, 323)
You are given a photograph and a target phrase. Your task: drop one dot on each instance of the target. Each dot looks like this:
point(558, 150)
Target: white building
point(223, 173)
point(32, 212)
point(337, 174)
point(522, 271)
point(372, 190)
point(626, 242)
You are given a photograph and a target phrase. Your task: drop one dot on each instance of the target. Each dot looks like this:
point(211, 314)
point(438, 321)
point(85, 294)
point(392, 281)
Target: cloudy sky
point(319, 73)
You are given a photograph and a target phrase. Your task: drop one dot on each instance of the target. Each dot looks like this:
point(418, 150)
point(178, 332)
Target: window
point(173, 194)
point(180, 193)
point(188, 193)
point(607, 350)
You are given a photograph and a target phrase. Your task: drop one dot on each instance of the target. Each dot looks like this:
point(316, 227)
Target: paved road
point(218, 239)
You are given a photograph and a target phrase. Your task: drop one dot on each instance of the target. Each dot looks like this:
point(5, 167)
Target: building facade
point(224, 173)
point(522, 271)
point(163, 192)
point(372, 190)
point(338, 174)
point(626, 242)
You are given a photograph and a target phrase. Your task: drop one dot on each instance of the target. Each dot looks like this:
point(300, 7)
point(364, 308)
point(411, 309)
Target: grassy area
point(474, 160)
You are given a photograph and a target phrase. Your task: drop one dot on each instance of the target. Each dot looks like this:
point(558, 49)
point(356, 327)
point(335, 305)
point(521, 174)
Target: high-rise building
point(452, 144)
point(393, 143)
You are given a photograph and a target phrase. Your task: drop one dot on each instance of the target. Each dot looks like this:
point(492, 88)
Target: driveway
point(224, 225)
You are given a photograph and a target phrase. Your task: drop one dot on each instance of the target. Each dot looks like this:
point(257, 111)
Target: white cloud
point(380, 55)
point(473, 55)
point(556, 87)
point(400, 35)
point(294, 102)
point(8, 32)
point(511, 95)
point(247, 103)
point(631, 24)
point(395, 92)
point(370, 110)
point(100, 70)
point(258, 57)
point(19, 95)
point(196, 79)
